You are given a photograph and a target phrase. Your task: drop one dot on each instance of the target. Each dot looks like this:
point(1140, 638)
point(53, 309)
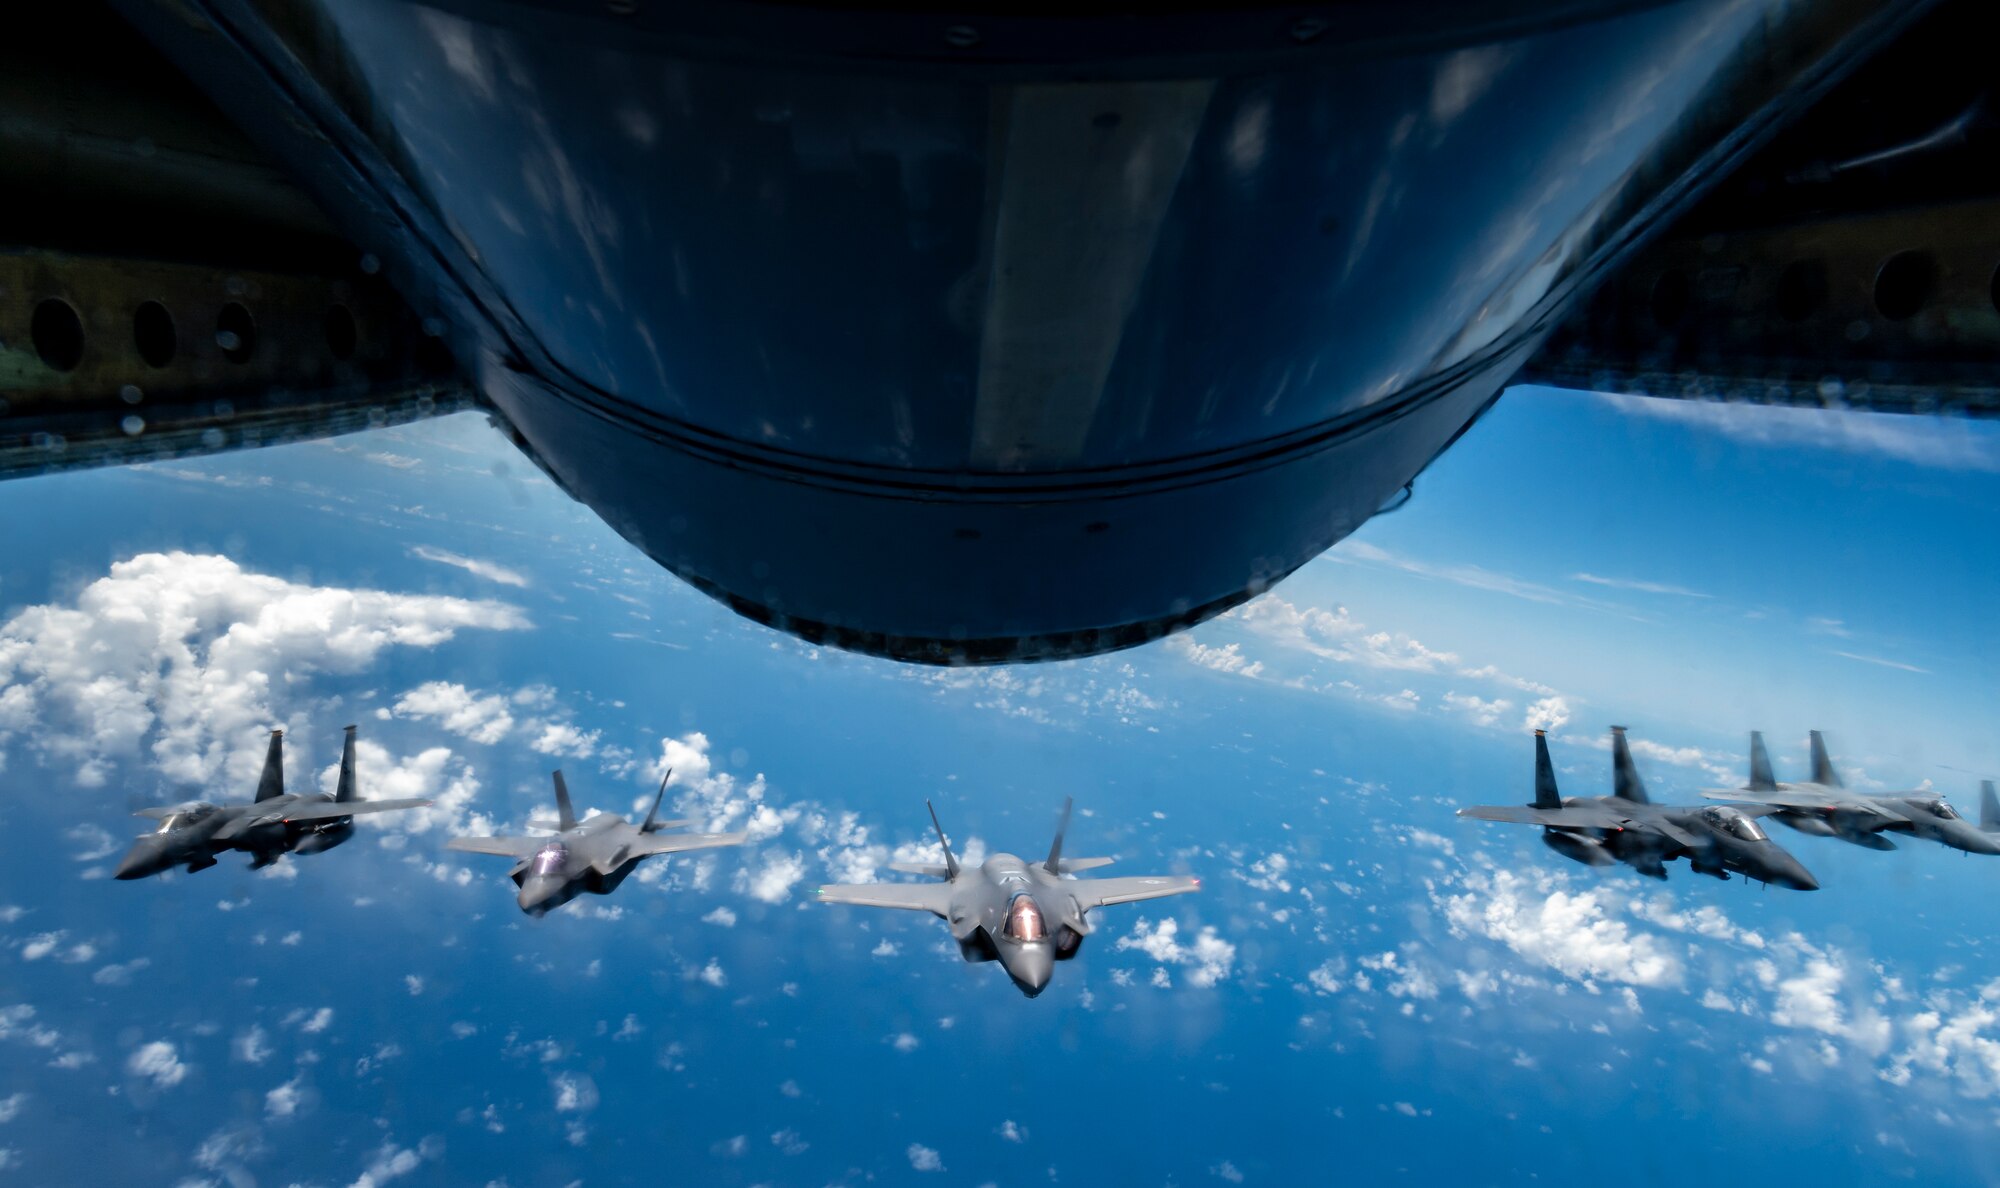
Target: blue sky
point(1363, 973)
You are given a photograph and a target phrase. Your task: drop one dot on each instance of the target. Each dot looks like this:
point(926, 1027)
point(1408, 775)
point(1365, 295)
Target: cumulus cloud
point(924, 1159)
point(158, 1062)
point(179, 658)
point(480, 718)
point(434, 773)
point(1550, 713)
point(1574, 933)
point(1209, 956)
point(575, 1093)
point(392, 1162)
point(1482, 711)
point(776, 878)
point(565, 739)
point(283, 1101)
point(1228, 658)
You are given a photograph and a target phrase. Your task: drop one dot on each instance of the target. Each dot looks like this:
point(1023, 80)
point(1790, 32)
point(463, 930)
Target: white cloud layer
point(182, 661)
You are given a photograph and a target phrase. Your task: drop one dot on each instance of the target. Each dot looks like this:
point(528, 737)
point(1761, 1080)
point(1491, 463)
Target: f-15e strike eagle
point(274, 824)
point(1025, 917)
point(1628, 827)
point(593, 855)
point(1824, 807)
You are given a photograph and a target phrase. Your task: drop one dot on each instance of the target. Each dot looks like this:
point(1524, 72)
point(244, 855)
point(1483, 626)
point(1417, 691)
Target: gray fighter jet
point(593, 855)
point(1628, 827)
point(1824, 807)
point(272, 825)
point(1025, 917)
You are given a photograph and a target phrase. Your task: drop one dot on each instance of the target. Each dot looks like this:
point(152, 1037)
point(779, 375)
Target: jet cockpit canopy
point(185, 816)
point(1735, 823)
point(1024, 919)
point(549, 860)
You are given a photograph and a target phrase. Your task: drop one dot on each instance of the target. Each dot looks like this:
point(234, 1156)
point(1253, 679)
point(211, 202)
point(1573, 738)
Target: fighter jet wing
point(1572, 816)
point(505, 847)
point(241, 824)
point(347, 808)
point(934, 898)
point(654, 843)
point(1090, 893)
point(1674, 832)
point(1800, 798)
point(1582, 816)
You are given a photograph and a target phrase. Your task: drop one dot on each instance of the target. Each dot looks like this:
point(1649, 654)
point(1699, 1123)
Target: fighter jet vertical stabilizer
point(1822, 766)
point(1546, 794)
point(343, 790)
point(1625, 781)
point(950, 863)
point(271, 785)
point(1761, 778)
point(1989, 808)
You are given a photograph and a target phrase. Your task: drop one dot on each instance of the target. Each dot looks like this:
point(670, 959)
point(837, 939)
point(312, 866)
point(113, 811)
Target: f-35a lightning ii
point(593, 855)
point(274, 824)
point(1824, 807)
point(1628, 827)
point(1025, 917)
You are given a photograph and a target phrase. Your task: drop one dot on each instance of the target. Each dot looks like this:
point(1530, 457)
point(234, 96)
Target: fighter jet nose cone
point(1031, 969)
point(536, 895)
point(138, 862)
point(1795, 876)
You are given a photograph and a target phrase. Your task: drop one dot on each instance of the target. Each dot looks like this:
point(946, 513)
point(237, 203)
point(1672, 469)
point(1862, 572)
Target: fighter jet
point(1628, 827)
point(272, 825)
point(593, 855)
point(1824, 807)
point(1005, 909)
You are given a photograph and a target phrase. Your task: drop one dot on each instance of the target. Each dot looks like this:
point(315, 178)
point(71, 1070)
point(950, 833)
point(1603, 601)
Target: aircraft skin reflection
point(1041, 345)
point(1026, 917)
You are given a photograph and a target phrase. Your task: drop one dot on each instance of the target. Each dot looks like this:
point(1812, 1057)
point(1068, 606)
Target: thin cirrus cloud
point(483, 569)
point(1337, 636)
point(1938, 442)
point(1474, 577)
point(1642, 587)
point(1882, 662)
